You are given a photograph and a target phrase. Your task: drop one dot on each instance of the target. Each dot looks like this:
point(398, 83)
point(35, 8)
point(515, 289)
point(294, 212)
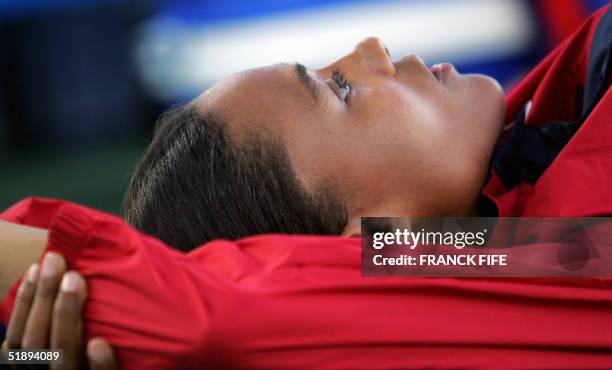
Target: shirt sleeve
point(152, 303)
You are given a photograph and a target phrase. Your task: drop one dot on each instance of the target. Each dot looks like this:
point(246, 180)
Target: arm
point(23, 246)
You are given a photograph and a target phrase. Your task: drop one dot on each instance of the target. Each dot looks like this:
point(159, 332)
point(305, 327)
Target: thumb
point(100, 355)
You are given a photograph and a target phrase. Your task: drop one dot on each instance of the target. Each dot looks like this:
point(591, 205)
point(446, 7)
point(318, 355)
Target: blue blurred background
point(83, 81)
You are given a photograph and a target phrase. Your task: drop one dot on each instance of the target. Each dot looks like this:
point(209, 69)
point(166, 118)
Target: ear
point(353, 227)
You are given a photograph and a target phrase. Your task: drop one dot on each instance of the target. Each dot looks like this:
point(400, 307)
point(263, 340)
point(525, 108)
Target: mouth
point(441, 71)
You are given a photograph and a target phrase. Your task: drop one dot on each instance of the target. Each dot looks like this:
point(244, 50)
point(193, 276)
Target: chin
point(495, 86)
point(499, 102)
point(492, 90)
point(491, 100)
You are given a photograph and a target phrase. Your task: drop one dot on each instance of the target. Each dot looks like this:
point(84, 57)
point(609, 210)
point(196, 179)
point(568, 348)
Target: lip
point(441, 71)
point(410, 61)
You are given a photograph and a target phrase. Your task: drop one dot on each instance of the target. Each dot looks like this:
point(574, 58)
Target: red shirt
point(279, 301)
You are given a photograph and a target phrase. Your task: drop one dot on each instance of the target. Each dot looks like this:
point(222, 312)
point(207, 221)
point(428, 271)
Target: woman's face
point(405, 141)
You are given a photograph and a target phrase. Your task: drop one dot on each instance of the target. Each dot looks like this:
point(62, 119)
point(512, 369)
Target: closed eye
point(337, 83)
point(342, 84)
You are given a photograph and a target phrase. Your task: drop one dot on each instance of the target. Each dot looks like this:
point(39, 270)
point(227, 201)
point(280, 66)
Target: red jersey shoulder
point(576, 182)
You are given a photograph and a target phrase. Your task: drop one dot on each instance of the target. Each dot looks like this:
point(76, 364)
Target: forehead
point(262, 99)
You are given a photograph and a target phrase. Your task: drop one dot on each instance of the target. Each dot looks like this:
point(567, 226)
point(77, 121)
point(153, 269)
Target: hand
point(47, 315)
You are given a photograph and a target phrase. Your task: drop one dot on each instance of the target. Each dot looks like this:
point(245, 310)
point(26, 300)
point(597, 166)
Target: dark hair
point(194, 185)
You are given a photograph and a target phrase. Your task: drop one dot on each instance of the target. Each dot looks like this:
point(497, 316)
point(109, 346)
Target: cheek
point(395, 126)
point(389, 149)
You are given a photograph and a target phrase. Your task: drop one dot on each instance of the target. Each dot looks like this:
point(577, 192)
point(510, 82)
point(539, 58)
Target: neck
point(401, 209)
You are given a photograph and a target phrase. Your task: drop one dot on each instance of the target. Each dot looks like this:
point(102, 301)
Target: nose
point(370, 56)
point(373, 45)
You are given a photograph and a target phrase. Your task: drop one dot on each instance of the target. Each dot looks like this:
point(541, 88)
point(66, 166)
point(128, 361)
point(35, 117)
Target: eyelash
point(342, 83)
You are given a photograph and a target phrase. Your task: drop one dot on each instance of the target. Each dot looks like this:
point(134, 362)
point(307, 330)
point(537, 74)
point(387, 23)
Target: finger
point(21, 309)
point(37, 330)
point(100, 355)
point(4, 350)
point(66, 322)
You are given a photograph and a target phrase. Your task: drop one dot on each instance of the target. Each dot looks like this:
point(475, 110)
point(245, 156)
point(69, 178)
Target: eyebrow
point(307, 81)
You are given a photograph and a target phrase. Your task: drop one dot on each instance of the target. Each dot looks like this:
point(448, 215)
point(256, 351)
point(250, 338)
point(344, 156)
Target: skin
point(402, 144)
point(24, 244)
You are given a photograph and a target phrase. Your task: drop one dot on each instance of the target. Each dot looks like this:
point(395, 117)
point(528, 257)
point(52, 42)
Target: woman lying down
point(289, 150)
